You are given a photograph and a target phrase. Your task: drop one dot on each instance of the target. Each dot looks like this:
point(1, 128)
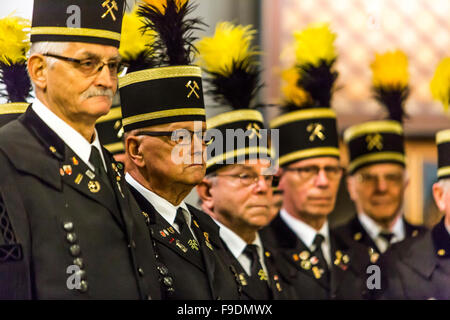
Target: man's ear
point(133, 150)
point(438, 195)
point(204, 193)
point(351, 187)
point(37, 70)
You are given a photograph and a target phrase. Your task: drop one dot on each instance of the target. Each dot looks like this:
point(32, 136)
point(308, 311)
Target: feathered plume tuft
point(390, 82)
point(440, 84)
point(315, 58)
point(136, 45)
point(174, 44)
point(229, 59)
point(14, 44)
point(294, 96)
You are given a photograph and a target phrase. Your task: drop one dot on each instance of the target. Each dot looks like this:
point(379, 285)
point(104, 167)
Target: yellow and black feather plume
point(230, 60)
point(315, 57)
point(136, 44)
point(14, 44)
point(174, 42)
point(390, 78)
point(440, 84)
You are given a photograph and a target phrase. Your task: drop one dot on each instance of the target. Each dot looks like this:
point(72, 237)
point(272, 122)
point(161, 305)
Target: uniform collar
point(72, 138)
point(373, 229)
point(167, 210)
point(235, 243)
point(303, 231)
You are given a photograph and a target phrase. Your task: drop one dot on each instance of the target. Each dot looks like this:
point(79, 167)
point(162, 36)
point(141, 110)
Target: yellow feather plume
point(133, 42)
point(230, 44)
point(390, 69)
point(315, 43)
point(291, 91)
point(14, 39)
point(162, 4)
point(440, 84)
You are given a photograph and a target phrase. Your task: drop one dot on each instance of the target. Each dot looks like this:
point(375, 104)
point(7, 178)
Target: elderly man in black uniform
point(70, 229)
point(419, 268)
point(164, 121)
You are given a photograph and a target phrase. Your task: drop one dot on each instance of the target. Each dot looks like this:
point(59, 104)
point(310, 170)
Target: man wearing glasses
point(327, 267)
point(70, 229)
point(377, 183)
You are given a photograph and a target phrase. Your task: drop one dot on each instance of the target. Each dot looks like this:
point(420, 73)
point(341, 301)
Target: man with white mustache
point(70, 228)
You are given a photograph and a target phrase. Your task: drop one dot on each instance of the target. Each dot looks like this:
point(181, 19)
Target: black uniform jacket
point(347, 274)
point(278, 276)
point(354, 230)
point(186, 274)
point(57, 216)
point(418, 268)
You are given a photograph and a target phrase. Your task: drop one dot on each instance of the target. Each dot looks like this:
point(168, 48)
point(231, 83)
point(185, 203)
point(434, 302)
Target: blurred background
point(420, 28)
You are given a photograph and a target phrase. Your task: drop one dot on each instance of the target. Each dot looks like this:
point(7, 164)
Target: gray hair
point(43, 47)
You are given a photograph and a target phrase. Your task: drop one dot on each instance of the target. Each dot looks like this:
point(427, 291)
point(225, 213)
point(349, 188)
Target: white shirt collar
point(167, 210)
point(304, 232)
point(235, 243)
point(69, 135)
point(373, 229)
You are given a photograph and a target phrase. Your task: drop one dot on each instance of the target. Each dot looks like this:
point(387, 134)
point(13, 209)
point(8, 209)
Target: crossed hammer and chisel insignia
point(193, 86)
point(374, 141)
point(110, 7)
point(317, 130)
point(254, 127)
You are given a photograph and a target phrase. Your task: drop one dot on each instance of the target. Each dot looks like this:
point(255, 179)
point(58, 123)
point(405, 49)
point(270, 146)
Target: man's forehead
point(90, 49)
point(382, 168)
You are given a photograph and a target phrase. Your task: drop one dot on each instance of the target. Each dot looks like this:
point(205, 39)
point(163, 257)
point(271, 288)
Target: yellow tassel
point(315, 43)
point(133, 42)
point(162, 4)
point(14, 39)
point(390, 69)
point(291, 91)
point(230, 44)
point(440, 84)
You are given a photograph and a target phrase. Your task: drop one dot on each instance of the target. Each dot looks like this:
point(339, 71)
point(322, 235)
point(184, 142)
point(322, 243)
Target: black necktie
point(386, 236)
point(258, 279)
point(180, 220)
point(318, 240)
point(96, 160)
point(186, 235)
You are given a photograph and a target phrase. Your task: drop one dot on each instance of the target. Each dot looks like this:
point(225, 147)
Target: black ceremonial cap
point(240, 139)
point(161, 95)
point(375, 142)
point(11, 111)
point(110, 131)
point(306, 133)
point(92, 21)
point(443, 145)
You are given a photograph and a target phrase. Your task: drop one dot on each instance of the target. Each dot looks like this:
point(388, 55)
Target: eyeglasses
point(180, 136)
point(92, 66)
point(308, 172)
point(248, 179)
point(372, 179)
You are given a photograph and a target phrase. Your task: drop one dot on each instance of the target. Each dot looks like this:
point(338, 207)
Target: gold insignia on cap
point(374, 141)
point(110, 5)
point(193, 86)
point(254, 128)
point(316, 130)
point(357, 236)
point(441, 252)
point(94, 186)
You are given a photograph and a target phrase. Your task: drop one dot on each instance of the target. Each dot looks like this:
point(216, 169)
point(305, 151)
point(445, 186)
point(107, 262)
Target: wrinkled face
point(378, 190)
point(242, 195)
point(310, 186)
point(77, 95)
point(168, 160)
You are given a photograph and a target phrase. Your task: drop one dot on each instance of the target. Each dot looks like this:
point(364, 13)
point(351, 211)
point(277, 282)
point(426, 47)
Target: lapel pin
point(357, 236)
point(90, 174)
point(242, 279)
point(305, 264)
point(196, 224)
point(52, 149)
point(181, 246)
point(67, 169)
point(295, 257)
point(78, 178)
point(75, 161)
point(441, 252)
point(316, 272)
point(304, 255)
point(61, 172)
point(314, 260)
point(171, 230)
point(94, 186)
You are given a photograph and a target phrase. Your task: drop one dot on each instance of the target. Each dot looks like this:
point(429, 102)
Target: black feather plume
point(175, 41)
point(239, 88)
point(318, 82)
point(14, 78)
point(393, 98)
